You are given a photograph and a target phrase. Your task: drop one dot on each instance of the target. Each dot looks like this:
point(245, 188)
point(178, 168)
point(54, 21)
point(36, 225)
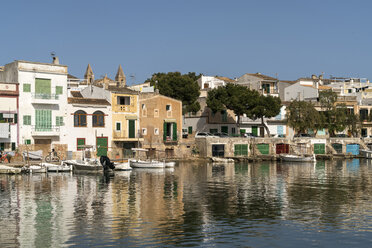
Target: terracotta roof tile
point(92, 101)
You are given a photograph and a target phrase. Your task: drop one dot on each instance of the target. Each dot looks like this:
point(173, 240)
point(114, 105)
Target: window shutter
point(165, 131)
point(15, 118)
point(174, 131)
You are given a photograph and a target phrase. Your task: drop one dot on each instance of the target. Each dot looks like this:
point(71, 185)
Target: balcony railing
point(45, 96)
point(45, 130)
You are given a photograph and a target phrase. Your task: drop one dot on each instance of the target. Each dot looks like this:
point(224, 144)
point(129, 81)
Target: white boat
point(92, 165)
point(170, 164)
point(37, 169)
point(124, 166)
point(57, 167)
point(148, 164)
point(222, 160)
point(297, 158)
point(366, 153)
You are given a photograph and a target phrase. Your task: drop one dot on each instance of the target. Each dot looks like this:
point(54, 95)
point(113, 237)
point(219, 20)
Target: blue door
point(353, 149)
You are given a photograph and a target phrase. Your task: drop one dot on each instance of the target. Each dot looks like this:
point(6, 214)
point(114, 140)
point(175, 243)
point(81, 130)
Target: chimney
point(55, 60)
point(321, 77)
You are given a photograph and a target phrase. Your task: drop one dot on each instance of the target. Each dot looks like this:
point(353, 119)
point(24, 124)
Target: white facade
point(42, 101)
point(8, 116)
point(94, 100)
point(208, 82)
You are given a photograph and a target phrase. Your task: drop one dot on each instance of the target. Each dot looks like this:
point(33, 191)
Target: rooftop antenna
point(132, 77)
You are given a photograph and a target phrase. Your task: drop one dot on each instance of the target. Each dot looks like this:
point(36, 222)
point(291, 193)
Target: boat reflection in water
point(194, 204)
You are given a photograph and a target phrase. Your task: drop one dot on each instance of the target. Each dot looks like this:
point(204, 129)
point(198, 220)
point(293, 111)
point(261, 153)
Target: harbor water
point(265, 204)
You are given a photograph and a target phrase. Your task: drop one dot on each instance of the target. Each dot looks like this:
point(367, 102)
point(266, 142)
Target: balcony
point(39, 98)
point(45, 131)
point(123, 136)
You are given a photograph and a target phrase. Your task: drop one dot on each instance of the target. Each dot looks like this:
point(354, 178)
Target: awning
point(170, 120)
point(131, 117)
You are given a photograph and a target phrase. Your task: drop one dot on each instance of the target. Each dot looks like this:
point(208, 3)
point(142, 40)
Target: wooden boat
point(366, 153)
point(297, 158)
point(57, 167)
point(147, 164)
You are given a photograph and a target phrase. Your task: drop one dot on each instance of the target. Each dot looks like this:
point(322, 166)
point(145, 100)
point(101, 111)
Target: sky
point(287, 39)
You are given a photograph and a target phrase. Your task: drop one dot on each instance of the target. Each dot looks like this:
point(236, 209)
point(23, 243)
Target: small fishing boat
point(297, 158)
point(36, 169)
point(63, 167)
point(147, 164)
point(92, 165)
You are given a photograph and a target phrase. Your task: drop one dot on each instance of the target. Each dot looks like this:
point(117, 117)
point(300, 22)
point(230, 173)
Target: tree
point(302, 116)
point(182, 87)
point(334, 115)
point(237, 98)
point(266, 106)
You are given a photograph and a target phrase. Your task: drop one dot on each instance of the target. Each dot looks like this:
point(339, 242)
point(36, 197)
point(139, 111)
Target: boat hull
point(146, 164)
point(122, 166)
point(297, 158)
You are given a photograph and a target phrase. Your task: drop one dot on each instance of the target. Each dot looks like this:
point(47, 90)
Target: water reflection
point(249, 204)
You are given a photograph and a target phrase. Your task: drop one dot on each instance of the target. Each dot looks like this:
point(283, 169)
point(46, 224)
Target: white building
point(89, 119)
point(42, 102)
point(9, 106)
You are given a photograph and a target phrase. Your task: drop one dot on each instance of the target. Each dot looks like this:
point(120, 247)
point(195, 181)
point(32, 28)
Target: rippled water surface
point(327, 204)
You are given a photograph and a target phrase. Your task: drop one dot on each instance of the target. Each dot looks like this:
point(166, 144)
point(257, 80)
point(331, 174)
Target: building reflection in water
point(186, 205)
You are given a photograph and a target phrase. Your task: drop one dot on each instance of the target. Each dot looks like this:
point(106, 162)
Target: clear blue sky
point(227, 38)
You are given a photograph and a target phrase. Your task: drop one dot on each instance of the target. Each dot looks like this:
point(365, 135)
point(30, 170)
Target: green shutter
point(224, 129)
point(174, 131)
point(263, 148)
point(102, 146)
point(241, 150)
point(26, 87)
point(59, 90)
point(43, 88)
point(26, 120)
point(1, 117)
point(319, 148)
point(15, 118)
point(118, 127)
point(43, 119)
point(165, 131)
point(132, 126)
point(190, 130)
point(255, 131)
point(80, 142)
point(28, 142)
point(13, 146)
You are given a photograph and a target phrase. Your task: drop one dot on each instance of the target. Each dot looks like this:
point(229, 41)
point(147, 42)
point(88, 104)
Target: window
point(13, 146)
point(168, 107)
point(26, 87)
point(80, 119)
point(27, 120)
point(156, 131)
point(80, 143)
point(233, 130)
point(27, 142)
point(144, 131)
point(98, 119)
point(190, 129)
point(156, 112)
point(59, 90)
point(266, 88)
point(123, 100)
point(59, 121)
point(118, 126)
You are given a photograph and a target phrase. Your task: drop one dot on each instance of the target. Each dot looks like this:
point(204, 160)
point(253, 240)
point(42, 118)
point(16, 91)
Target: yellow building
point(160, 122)
point(125, 119)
